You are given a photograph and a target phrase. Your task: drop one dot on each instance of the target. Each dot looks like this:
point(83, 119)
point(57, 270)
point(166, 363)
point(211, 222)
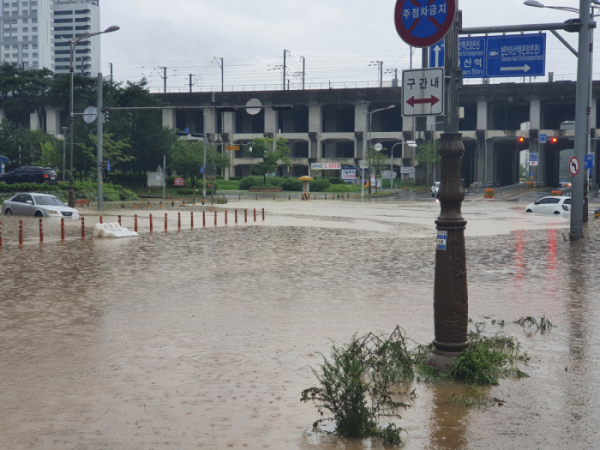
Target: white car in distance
point(558, 206)
point(435, 189)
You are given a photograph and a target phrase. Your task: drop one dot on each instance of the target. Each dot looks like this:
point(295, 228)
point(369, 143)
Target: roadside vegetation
point(362, 386)
point(83, 190)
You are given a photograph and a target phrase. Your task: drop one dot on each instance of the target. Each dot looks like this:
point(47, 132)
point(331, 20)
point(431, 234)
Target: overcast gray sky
point(339, 38)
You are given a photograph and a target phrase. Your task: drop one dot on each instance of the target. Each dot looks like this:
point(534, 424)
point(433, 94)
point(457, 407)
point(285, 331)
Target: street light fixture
point(72, 44)
point(370, 113)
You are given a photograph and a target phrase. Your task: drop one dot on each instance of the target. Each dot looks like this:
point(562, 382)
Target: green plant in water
point(355, 386)
point(543, 325)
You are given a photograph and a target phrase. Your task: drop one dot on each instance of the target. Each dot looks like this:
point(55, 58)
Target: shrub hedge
point(83, 190)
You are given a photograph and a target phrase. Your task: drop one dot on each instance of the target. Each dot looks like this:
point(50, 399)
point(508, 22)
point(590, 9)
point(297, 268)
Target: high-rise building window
point(6, 5)
point(35, 64)
point(34, 3)
point(34, 29)
point(25, 46)
point(25, 20)
point(7, 47)
point(25, 30)
point(15, 55)
point(33, 12)
point(15, 4)
point(25, 55)
point(7, 55)
point(34, 55)
point(34, 46)
point(34, 20)
point(63, 13)
point(25, 38)
point(24, 3)
point(15, 13)
point(13, 21)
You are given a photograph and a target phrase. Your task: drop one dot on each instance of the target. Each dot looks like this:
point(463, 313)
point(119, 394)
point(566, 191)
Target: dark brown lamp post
point(451, 299)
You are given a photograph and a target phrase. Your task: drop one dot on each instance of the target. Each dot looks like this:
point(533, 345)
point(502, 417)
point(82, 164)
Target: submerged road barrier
point(82, 228)
point(151, 224)
point(135, 228)
point(165, 222)
point(62, 229)
point(204, 219)
point(192, 219)
point(20, 232)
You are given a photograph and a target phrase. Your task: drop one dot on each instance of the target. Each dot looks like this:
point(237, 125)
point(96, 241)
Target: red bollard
point(192, 217)
point(225, 217)
point(151, 224)
point(62, 229)
point(245, 216)
point(101, 219)
point(20, 232)
point(82, 228)
point(255, 214)
point(236, 216)
point(263, 214)
point(135, 223)
point(215, 218)
point(179, 221)
point(165, 222)
point(119, 220)
point(41, 232)
point(204, 218)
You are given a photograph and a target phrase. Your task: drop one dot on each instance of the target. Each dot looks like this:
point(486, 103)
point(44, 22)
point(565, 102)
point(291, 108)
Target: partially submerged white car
point(37, 205)
point(435, 189)
point(558, 206)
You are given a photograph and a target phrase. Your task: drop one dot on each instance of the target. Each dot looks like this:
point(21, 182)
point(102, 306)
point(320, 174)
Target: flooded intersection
point(204, 338)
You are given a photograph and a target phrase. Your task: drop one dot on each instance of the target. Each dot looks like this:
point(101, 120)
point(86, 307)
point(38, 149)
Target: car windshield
point(47, 200)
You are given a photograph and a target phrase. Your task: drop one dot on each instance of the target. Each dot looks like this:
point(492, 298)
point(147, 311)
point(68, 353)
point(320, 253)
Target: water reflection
point(205, 338)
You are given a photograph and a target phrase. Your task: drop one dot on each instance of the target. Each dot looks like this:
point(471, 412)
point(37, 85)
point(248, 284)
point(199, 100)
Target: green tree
point(377, 164)
point(49, 156)
point(263, 148)
point(428, 154)
point(117, 151)
point(187, 157)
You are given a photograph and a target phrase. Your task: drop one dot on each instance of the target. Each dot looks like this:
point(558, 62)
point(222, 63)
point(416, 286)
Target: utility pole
point(303, 71)
point(581, 119)
point(285, 53)
point(380, 73)
point(111, 72)
point(222, 66)
point(165, 176)
point(190, 82)
point(64, 130)
point(204, 143)
point(164, 77)
point(100, 120)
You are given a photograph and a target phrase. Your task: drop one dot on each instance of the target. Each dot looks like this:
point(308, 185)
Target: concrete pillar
point(53, 121)
point(211, 120)
point(360, 125)
point(34, 122)
point(482, 115)
point(314, 129)
point(490, 172)
point(229, 129)
point(271, 121)
point(535, 114)
point(168, 118)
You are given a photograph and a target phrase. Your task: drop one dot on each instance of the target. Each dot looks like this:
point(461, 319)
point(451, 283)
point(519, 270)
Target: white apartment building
point(27, 33)
point(73, 18)
point(32, 32)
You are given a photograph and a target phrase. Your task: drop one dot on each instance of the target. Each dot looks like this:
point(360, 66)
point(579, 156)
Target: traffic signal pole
point(100, 120)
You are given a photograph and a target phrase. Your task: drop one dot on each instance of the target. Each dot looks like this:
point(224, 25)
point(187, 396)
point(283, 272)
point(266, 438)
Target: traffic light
point(554, 140)
point(521, 140)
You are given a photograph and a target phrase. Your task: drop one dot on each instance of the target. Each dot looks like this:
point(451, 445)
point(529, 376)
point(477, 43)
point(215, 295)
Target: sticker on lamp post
point(442, 240)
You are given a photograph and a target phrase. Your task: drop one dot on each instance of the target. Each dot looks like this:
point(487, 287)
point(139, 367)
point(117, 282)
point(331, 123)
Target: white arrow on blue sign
point(589, 162)
point(543, 138)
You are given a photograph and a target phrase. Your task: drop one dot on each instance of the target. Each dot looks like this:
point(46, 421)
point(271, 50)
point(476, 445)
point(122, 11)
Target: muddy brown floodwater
point(204, 338)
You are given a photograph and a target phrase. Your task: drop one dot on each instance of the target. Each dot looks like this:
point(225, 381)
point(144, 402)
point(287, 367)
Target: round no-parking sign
point(574, 166)
point(422, 23)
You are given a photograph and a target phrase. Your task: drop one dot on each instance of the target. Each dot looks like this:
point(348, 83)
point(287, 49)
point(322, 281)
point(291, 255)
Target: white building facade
point(73, 18)
point(27, 33)
point(33, 32)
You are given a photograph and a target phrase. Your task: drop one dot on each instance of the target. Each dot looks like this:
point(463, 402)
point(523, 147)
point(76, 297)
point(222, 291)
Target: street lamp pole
point(73, 43)
point(367, 143)
point(392, 157)
point(64, 130)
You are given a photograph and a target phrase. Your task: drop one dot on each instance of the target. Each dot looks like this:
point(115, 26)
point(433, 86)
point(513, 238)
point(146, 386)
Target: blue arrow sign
point(589, 161)
point(543, 138)
point(516, 56)
point(202, 169)
point(108, 166)
point(497, 56)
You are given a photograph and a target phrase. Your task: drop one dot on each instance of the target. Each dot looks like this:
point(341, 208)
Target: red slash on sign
point(412, 101)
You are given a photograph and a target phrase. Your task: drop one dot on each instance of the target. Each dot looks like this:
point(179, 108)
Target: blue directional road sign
point(497, 56)
point(108, 166)
point(543, 138)
point(589, 161)
point(516, 56)
point(202, 169)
